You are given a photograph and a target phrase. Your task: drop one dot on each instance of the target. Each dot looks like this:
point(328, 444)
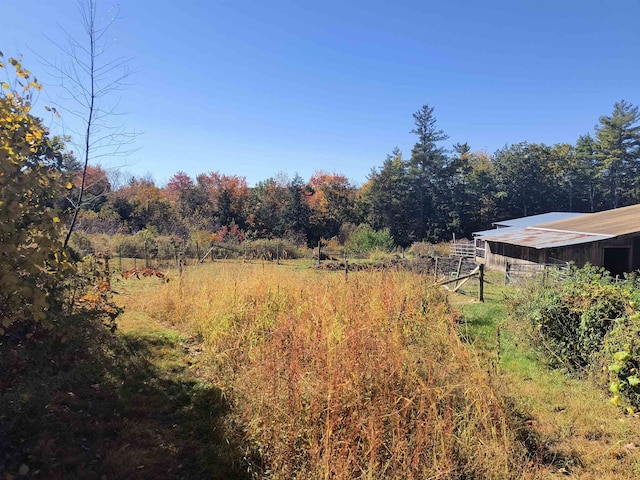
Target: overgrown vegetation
point(569, 426)
point(356, 378)
point(32, 260)
point(363, 239)
point(292, 373)
point(587, 322)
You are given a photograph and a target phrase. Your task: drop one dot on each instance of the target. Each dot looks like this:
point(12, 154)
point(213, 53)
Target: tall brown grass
point(342, 378)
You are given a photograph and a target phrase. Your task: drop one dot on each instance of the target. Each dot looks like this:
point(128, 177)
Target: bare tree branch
point(87, 78)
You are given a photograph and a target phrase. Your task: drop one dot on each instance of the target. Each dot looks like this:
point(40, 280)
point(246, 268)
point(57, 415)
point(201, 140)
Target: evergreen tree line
point(431, 195)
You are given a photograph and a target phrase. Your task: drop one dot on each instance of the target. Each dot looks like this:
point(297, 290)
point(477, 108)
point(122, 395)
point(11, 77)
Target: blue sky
point(259, 87)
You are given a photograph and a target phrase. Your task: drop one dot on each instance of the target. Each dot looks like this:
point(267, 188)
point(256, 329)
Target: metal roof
point(540, 238)
point(616, 222)
point(573, 229)
point(534, 220)
point(496, 231)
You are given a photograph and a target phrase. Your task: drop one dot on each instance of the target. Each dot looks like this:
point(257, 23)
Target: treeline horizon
point(430, 195)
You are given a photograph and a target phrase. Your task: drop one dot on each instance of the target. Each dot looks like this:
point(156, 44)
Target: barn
point(610, 239)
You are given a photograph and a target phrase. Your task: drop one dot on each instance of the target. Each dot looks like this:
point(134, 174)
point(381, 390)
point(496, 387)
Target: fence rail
point(464, 250)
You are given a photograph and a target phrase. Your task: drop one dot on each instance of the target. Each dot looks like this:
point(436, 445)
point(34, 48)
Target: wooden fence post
point(435, 271)
point(458, 270)
point(107, 268)
point(146, 254)
point(481, 290)
point(499, 349)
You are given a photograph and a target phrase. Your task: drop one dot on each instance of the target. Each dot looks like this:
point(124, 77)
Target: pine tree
point(618, 148)
point(428, 167)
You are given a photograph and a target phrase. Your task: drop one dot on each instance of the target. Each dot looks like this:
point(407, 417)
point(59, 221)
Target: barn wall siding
point(499, 254)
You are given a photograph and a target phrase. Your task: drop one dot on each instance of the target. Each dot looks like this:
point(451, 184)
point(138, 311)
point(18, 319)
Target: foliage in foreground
point(335, 378)
point(32, 260)
point(586, 322)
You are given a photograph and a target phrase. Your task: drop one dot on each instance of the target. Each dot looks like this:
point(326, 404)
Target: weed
point(334, 378)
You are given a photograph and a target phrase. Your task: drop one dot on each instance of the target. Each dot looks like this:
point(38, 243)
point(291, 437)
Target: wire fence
point(525, 272)
point(152, 254)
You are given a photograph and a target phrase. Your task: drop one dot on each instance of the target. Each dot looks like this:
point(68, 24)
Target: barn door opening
point(635, 255)
point(616, 260)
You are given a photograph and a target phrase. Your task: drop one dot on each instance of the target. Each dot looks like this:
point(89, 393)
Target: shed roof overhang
point(542, 238)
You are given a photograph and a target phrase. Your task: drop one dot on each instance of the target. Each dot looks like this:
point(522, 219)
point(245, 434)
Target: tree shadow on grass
point(89, 404)
point(544, 454)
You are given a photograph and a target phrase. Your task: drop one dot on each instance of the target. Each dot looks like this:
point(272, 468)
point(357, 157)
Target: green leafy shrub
point(587, 321)
point(364, 239)
point(572, 315)
point(621, 358)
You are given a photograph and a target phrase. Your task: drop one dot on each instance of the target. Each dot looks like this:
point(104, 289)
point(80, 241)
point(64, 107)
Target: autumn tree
point(188, 200)
point(96, 188)
point(228, 196)
point(178, 186)
point(332, 204)
point(32, 257)
point(266, 206)
point(142, 204)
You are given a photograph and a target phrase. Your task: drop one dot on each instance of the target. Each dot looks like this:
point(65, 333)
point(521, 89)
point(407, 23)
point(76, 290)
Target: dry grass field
point(265, 371)
point(334, 376)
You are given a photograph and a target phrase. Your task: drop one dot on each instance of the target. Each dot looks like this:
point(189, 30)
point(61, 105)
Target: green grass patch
point(568, 424)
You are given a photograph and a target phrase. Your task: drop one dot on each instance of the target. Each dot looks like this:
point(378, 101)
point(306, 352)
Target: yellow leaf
point(69, 185)
point(5, 85)
point(56, 220)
